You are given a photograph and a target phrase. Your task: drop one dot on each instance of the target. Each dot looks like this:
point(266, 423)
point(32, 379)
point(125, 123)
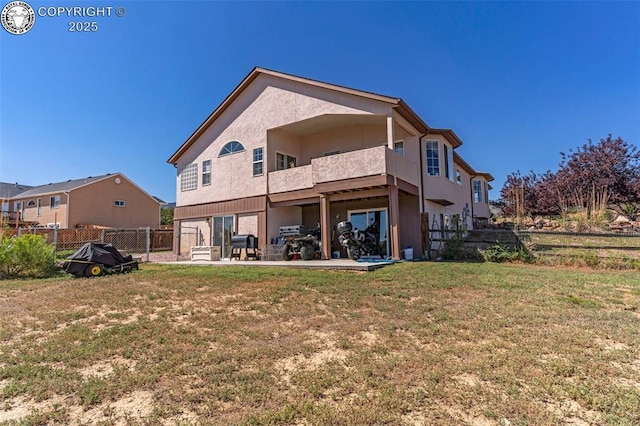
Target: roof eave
point(411, 116)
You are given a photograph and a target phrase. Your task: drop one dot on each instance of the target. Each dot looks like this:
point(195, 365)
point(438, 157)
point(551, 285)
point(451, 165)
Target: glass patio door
point(223, 229)
point(361, 219)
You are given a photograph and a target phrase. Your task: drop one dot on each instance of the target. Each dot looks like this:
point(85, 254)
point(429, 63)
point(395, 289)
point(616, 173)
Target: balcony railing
point(366, 162)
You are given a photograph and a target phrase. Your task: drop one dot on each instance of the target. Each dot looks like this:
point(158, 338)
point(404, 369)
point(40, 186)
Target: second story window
point(189, 177)
point(478, 191)
point(257, 162)
point(231, 148)
point(284, 161)
point(447, 169)
point(433, 159)
point(119, 203)
point(458, 177)
point(206, 172)
point(55, 202)
point(39, 207)
point(399, 147)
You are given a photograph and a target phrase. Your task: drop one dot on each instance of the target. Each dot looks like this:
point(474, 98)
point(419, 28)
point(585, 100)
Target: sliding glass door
point(223, 229)
point(361, 219)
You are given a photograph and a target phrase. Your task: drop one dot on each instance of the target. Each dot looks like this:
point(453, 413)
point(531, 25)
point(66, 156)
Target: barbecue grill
point(248, 243)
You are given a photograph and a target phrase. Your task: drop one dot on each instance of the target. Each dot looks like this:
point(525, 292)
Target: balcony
point(355, 164)
point(291, 179)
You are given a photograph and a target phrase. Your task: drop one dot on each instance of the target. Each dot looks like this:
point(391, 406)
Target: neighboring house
point(109, 200)
point(285, 150)
point(7, 191)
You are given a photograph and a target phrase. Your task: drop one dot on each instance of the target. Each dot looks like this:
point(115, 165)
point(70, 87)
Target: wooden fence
point(129, 240)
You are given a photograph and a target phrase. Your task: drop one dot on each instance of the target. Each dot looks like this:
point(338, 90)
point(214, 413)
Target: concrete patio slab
point(332, 264)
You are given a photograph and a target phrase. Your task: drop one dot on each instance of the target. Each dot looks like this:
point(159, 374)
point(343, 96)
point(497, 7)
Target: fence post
point(55, 240)
point(148, 242)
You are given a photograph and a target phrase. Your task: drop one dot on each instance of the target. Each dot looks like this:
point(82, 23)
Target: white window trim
point(206, 173)
point(261, 161)
point(52, 203)
point(287, 160)
point(479, 199)
point(229, 144)
point(426, 157)
point(395, 144)
point(39, 207)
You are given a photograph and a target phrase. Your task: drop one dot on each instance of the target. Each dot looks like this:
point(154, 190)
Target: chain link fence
point(137, 241)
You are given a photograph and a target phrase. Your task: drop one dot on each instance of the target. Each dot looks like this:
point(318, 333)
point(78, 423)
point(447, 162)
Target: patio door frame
point(223, 240)
point(382, 231)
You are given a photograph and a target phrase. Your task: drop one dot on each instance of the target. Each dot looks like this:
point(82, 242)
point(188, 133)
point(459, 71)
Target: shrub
point(26, 256)
point(500, 253)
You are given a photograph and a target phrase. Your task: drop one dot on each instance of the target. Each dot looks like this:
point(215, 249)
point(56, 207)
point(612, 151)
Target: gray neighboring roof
point(62, 186)
point(8, 190)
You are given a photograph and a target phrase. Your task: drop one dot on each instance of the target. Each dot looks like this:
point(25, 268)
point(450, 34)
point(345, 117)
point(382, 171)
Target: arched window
point(231, 148)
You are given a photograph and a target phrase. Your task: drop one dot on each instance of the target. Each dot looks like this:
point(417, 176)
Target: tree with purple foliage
point(591, 178)
point(599, 175)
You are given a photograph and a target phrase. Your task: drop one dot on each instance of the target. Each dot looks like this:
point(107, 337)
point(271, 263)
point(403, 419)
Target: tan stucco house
point(286, 150)
point(110, 200)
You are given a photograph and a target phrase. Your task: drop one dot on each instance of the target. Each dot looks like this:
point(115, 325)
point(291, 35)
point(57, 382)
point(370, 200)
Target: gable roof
point(61, 186)
point(448, 134)
point(396, 103)
point(8, 190)
point(71, 184)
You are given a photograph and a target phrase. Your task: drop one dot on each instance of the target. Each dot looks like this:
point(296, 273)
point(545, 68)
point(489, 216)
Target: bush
point(26, 256)
point(499, 253)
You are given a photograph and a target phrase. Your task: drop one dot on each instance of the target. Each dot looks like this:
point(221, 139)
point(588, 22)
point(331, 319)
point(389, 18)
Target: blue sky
point(517, 81)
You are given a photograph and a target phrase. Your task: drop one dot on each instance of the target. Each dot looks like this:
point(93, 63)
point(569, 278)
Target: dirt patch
point(470, 419)
point(106, 367)
point(301, 362)
point(573, 413)
point(134, 407)
point(611, 345)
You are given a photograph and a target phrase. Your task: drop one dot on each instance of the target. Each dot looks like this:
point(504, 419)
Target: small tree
point(166, 216)
point(597, 175)
point(26, 256)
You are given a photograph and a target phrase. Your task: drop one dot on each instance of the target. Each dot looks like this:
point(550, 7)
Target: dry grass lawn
point(412, 344)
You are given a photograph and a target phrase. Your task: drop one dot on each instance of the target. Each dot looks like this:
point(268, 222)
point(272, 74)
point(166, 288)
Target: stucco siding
point(281, 216)
point(268, 103)
point(248, 224)
point(344, 139)
point(94, 204)
point(47, 214)
point(194, 232)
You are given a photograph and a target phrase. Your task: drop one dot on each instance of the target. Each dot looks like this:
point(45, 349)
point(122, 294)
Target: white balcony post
point(324, 227)
point(390, 137)
point(394, 222)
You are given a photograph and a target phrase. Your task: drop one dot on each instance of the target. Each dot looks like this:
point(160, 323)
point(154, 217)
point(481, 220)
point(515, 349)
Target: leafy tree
point(597, 175)
point(593, 177)
point(26, 256)
point(166, 216)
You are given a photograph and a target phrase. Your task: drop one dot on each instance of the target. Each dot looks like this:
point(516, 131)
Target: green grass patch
point(412, 343)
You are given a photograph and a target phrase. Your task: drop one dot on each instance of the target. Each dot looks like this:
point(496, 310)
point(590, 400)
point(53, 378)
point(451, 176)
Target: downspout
point(422, 208)
point(472, 200)
point(421, 175)
point(68, 194)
